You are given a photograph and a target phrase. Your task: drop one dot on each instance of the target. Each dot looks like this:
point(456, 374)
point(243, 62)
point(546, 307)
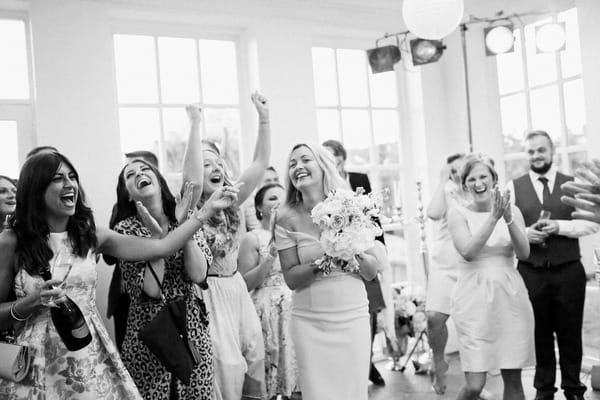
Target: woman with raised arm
point(330, 314)
point(178, 274)
point(258, 263)
point(235, 330)
point(52, 224)
point(490, 305)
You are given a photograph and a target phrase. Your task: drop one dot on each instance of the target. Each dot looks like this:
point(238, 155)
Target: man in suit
point(373, 287)
point(553, 273)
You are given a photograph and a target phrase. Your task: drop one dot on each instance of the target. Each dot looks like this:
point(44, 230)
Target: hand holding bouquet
point(348, 228)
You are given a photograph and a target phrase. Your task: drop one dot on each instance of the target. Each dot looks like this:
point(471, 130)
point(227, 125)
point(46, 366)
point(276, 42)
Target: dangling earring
point(259, 213)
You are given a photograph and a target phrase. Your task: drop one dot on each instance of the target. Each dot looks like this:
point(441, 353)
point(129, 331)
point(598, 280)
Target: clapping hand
point(194, 113)
point(148, 220)
point(262, 106)
point(183, 203)
point(223, 198)
point(500, 203)
point(585, 195)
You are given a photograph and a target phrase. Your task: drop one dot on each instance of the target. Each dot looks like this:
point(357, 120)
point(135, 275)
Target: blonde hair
point(331, 177)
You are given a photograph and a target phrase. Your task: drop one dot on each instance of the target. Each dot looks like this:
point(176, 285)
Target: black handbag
point(166, 337)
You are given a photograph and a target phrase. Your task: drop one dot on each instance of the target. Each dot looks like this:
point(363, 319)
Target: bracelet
point(201, 216)
point(264, 122)
point(15, 314)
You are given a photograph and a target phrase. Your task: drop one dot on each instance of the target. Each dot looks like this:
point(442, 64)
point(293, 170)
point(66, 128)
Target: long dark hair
point(29, 220)
point(260, 196)
point(125, 208)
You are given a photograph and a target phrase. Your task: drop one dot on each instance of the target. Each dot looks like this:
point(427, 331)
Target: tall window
point(360, 109)
point(543, 91)
point(15, 95)
point(158, 76)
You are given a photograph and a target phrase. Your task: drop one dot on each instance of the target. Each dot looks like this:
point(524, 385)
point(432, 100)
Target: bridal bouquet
point(346, 219)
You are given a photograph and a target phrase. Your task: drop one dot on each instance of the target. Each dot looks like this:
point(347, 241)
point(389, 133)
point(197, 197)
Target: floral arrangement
point(409, 301)
point(348, 228)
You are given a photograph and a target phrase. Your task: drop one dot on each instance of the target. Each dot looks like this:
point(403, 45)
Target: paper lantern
point(432, 19)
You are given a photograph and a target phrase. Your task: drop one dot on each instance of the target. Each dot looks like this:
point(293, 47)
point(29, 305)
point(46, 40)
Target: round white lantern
point(500, 39)
point(432, 19)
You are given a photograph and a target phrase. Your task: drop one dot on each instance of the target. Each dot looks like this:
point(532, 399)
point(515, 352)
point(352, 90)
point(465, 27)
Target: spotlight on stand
point(550, 37)
point(426, 51)
point(499, 39)
point(382, 59)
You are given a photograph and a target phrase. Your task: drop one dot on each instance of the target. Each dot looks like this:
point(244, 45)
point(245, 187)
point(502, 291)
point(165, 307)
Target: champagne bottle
point(69, 321)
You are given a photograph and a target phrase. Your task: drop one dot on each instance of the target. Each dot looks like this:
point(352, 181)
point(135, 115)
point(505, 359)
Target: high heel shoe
point(438, 377)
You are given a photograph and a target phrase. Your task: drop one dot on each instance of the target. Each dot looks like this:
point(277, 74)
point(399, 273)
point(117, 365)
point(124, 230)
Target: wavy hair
point(331, 177)
point(125, 207)
point(29, 220)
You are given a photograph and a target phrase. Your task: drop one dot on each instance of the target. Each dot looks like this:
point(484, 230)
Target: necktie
point(546, 192)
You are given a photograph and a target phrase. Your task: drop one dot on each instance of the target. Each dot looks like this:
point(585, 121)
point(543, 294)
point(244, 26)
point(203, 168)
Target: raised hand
point(262, 106)
point(183, 203)
point(194, 113)
point(587, 205)
point(507, 206)
point(446, 173)
point(148, 220)
point(498, 205)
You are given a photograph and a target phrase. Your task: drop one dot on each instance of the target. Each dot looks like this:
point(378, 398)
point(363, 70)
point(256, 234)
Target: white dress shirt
point(570, 228)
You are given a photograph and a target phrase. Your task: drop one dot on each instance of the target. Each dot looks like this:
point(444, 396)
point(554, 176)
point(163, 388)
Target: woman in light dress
point(330, 315)
point(238, 348)
point(490, 304)
point(52, 223)
point(259, 265)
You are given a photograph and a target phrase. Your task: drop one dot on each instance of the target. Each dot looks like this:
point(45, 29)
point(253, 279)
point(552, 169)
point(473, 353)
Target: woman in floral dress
point(52, 223)
point(259, 265)
point(234, 326)
point(140, 181)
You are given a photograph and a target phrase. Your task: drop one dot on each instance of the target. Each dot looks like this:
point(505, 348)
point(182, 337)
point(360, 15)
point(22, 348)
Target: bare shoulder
point(8, 241)
point(249, 240)
point(285, 216)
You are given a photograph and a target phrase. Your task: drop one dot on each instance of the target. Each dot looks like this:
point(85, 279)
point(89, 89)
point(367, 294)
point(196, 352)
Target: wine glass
point(542, 221)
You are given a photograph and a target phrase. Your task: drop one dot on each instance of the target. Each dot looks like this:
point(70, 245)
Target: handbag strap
point(159, 283)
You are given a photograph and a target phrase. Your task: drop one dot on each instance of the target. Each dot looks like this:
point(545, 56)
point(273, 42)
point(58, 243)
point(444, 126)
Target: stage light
point(432, 19)
point(499, 39)
point(426, 51)
point(382, 59)
point(550, 37)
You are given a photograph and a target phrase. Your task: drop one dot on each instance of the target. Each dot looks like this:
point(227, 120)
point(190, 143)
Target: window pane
point(176, 130)
point(357, 136)
point(515, 168)
point(324, 76)
point(14, 82)
point(218, 69)
point(9, 151)
point(514, 121)
point(384, 91)
point(178, 68)
point(571, 57)
point(135, 60)
point(328, 122)
point(576, 159)
point(541, 67)
point(352, 70)
point(510, 68)
point(223, 128)
point(545, 111)
point(575, 112)
point(140, 129)
point(387, 136)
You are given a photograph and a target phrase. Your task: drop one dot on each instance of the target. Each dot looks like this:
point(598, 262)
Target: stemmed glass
point(63, 260)
point(542, 222)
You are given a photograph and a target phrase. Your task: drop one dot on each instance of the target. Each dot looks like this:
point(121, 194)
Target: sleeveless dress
point(150, 376)
point(273, 302)
point(235, 329)
point(94, 372)
point(330, 327)
point(490, 305)
point(444, 259)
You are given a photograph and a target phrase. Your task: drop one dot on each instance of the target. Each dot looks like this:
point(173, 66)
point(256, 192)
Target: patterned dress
point(94, 372)
point(273, 302)
point(150, 376)
point(234, 326)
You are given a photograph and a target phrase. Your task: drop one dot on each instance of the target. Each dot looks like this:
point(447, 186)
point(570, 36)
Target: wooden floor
point(408, 386)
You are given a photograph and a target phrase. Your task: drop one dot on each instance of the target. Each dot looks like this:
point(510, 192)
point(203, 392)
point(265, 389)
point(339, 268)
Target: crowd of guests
point(262, 320)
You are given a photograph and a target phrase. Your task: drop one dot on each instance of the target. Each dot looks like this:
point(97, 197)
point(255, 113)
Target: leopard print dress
point(151, 378)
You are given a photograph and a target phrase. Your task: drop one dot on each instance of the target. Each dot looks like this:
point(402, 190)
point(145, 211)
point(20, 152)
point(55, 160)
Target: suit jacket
point(376, 302)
